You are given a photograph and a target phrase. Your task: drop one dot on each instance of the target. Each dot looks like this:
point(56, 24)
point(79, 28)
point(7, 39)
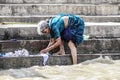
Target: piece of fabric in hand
point(45, 57)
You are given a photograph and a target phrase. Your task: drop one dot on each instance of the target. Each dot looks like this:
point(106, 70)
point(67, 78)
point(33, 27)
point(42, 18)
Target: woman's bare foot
point(59, 53)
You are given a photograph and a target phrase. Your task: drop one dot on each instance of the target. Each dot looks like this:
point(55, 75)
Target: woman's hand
point(50, 47)
point(44, 51)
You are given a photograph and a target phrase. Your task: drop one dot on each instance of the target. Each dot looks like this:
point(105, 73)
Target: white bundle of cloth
point(17, 53)
point(24, 53)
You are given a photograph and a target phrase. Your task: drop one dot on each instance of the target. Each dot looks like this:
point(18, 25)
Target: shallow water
point(96, 69)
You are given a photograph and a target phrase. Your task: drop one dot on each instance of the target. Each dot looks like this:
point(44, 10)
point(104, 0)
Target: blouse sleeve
point(57, 27)
point(57, 33)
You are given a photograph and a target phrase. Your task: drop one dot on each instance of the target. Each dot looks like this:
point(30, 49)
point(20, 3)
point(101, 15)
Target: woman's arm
point(56, 44)
point(52, 41)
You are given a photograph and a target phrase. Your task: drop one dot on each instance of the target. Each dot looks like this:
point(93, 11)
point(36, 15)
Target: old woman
point(63, 27)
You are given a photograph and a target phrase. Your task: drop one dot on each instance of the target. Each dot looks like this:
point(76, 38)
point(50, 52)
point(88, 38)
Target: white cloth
point(17, 53)
point(24, 52)
point(45, 57)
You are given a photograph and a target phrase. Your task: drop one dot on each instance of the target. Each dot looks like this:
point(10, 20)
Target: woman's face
point(46, 31)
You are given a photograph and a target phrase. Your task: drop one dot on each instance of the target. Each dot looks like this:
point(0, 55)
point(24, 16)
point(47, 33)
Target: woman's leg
point(73, 51)
point(61, 51)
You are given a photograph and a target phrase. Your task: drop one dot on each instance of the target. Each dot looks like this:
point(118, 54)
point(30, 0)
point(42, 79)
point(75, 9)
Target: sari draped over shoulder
point(74, 31)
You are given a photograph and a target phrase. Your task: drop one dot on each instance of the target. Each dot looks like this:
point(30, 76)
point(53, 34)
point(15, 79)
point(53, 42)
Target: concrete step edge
point(48, 40)
point(60, 1)
point(24, 62)
point(37, 18)
point(56, 15)
point(86, 24)
point(71, 4)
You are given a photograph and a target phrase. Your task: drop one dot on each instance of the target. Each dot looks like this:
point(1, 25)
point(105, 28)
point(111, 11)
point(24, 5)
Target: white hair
point(41, 26)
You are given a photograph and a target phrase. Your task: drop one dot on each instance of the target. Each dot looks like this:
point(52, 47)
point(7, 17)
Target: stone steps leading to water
point(101, 21)
point(29, 31)
point(36, 19)
point(54, 9)
point(89, 49)
point(60, 1)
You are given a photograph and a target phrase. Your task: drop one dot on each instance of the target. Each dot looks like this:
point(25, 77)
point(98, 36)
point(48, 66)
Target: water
point(96, 69)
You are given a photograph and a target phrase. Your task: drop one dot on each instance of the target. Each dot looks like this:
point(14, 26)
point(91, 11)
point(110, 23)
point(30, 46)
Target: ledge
point(20, 62)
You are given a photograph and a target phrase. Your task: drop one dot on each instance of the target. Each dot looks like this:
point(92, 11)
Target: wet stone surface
point(87, 47)
point(24, 62)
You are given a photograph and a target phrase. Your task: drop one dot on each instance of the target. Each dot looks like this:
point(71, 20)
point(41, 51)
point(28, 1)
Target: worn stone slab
point(19, 62)
point(33, 46)
point(24, 62)
point(54, 9)
point(105, 30)
point(36, 19)
point(99, 46)
point(60, 1)
point(29, 31)
point(101, 18)
point(91, 46)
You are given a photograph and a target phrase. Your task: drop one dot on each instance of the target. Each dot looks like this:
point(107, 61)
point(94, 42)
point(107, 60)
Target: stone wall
point(29, 31)
point(24, 62)
point(87, 47)
point(36, 19)
point(61, 1)
point(48, 9)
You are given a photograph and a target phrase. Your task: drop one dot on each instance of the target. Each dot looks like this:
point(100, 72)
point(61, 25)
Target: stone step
point(29, 31)
point(24, 62)
point(60, 1)
point(103, 30)
point(90, 46)
point(36, 19)
point(54, 9)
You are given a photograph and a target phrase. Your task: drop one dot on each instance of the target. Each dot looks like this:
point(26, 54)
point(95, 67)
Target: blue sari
point(74, 31)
